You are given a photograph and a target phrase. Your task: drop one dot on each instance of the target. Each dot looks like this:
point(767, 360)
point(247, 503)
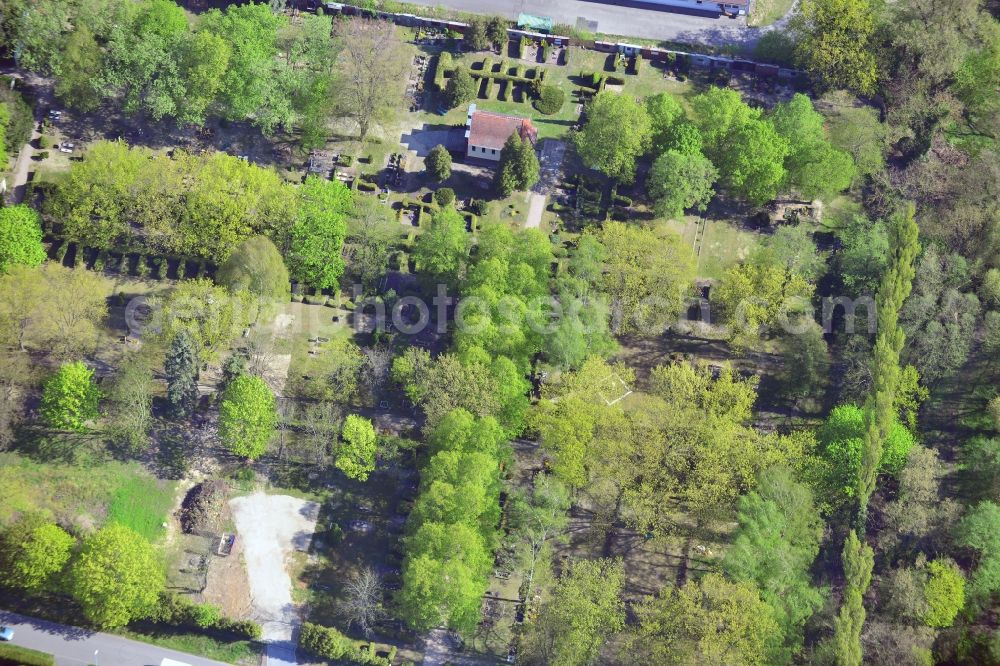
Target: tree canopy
point(247, 416)
point(33, 551)
point(356, 456)
point(116, 577)
point(70, 397)
point(20, 237)
point(617, 132)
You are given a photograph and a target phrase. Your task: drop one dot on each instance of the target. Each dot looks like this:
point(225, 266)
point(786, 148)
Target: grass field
point(77, 494)
point(766, 12)
point(142, 504)
point(723, 245)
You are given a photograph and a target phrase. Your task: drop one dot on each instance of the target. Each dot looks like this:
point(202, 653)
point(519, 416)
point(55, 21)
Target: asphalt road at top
point(73, 646)
point(615, 19)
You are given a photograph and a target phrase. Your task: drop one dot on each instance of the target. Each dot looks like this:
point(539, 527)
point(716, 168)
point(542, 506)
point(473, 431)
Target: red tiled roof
point(490, 130)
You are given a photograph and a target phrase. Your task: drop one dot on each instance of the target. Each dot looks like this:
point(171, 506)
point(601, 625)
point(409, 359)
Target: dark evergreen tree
point(518, 166)
point(181, 366)
point(234, 366)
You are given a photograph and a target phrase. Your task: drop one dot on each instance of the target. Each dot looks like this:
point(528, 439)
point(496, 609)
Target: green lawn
point(142, 504)
point(78, 494)
point(723, 245)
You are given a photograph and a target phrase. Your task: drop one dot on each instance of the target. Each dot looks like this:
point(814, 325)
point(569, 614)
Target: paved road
point(73, 646)
point(614, 19)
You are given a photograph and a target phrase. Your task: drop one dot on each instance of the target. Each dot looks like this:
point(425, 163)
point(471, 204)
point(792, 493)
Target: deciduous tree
point(356, 456)
point(130, 404)
point(585, 610)
point(70, 397)
point(617, 131)
point(20, 237)
point(441, 251)
point(247, 417)
point(678, 182)
point(814, 167)
point(317, 236)
point(743, 146)
point(834, 43)
point(209, 314)
point(255, 266)
point(707, 621)
point(33, 551)
point(647, 275)
point(373, 67)
point(116, 577)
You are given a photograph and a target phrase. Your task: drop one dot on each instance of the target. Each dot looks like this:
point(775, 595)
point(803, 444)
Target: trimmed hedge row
point(328, 643)
point(128, 262)
point(445, 63)
point(14, 655)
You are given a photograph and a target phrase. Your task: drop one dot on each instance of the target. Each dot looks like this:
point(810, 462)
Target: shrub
point(142, 268)
point(550, 100)
point(595, 80)
point(161, 268)
point(241, 628)
point(444, 196)
point(178, 611)
point(635, 64)
point(102, 259)
point(15, 655)
point(328, 643)
point(45, 142)
point(479, 206)
point(522, 45)
point(546, 50)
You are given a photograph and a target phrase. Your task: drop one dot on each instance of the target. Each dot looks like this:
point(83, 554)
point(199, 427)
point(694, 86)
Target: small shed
point(534, 23)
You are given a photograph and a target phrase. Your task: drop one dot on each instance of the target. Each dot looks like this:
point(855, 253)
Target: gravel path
point(536, 206)
point(271, 527)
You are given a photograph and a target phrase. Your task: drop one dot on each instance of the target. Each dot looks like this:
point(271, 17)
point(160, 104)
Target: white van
point(172, 662)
